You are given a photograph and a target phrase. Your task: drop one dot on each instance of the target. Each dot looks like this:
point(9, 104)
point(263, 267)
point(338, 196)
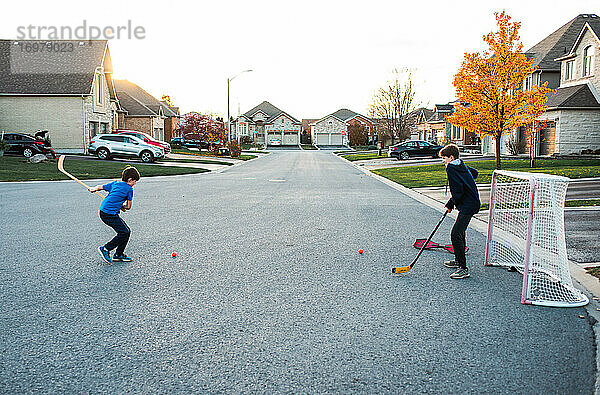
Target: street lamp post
point(228, 123)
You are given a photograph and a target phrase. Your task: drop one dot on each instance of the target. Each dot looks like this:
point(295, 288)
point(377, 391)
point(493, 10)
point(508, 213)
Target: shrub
point(515, 147)
point(4, 145)
point(234, 149)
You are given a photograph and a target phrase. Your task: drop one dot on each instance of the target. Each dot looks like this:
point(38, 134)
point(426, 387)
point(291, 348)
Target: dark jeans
point(458, 238)
point(120, 240)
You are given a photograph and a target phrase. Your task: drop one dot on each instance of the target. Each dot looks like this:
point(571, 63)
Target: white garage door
point(322, 139)
point(336, 139)
point(290, 139)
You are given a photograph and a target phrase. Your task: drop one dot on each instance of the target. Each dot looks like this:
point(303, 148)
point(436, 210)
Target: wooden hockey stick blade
point(61, 168)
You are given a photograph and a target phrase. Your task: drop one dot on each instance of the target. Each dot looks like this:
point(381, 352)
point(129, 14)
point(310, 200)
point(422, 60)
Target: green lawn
point(185, 151)
point(308, 146)
point(16, 168)
point(204, 161)
point(354, 157)
point(435, 175)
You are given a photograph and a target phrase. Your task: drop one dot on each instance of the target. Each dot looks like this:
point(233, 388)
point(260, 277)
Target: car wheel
point(27, 152)
point(146, 156)
point(404, 155)
point(103, 154)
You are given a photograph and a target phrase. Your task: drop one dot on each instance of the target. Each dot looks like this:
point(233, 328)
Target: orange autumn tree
point(489, 86)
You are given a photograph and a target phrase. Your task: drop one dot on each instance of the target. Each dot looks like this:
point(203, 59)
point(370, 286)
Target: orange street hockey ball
point(360, 251)
point(174, 254)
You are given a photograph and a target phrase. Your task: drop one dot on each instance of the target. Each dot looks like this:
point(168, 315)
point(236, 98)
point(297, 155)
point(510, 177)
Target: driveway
point(267, 294)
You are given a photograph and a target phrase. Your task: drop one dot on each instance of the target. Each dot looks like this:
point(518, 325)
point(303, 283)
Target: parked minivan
point(105, 146)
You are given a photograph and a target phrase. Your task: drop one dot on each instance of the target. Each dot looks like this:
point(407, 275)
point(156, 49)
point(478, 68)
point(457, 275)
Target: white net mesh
point(527, 218)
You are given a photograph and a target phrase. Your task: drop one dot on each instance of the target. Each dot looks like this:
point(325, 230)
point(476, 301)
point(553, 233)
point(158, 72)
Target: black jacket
point(465, 196)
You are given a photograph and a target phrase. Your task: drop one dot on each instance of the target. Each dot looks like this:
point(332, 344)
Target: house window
point(569, 70)
point(104, 127)
point(93, 129)
point(99, 90)
point(588, 54)
point(527, 83)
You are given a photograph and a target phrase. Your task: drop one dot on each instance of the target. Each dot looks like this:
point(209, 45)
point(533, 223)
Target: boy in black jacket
point(465, 198)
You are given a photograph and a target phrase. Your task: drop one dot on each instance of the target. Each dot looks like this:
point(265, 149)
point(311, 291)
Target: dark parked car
point(414, 148)
point(27, 145)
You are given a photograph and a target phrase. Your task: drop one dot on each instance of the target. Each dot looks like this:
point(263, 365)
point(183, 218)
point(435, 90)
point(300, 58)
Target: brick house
point(70, 94)
point(332, 129)
point(566, 60)
point(267, 123)
point(436, 129)
point(141, 111)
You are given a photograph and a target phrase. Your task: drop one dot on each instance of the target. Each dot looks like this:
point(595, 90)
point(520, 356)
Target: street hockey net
point(526, 231)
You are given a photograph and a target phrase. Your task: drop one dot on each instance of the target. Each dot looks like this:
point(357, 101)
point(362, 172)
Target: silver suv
point(105, 146)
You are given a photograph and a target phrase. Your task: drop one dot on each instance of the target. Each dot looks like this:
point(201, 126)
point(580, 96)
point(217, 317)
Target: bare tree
point(392, 103)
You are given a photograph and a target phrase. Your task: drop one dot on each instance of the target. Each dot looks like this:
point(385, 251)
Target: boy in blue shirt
point(465, 197)
point(119, 198)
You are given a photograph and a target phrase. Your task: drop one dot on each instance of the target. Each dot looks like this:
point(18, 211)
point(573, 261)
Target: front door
point(547, 139)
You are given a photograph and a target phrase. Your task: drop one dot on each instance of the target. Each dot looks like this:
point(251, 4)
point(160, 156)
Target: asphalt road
point(268, 293)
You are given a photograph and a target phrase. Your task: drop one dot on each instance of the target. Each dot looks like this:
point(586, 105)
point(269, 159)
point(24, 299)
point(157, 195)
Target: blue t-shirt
point(118, 193)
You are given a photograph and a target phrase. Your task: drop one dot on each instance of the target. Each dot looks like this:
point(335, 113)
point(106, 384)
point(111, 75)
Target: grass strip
point(202, 161)
point(355, 157)
point(183, 151)
point(435, 175)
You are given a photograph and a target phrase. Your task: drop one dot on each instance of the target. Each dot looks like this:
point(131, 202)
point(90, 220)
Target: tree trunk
point(498, 165)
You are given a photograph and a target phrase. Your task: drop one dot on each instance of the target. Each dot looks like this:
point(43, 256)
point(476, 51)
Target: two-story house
point(332, 129)
point(142, 111)
point(267, 123)
point(573, 115)
point(70, 93)
point(561, 66)
point(436, 129)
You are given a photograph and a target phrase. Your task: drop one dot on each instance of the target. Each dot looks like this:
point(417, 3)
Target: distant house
point(566, 60)
point(141, 110)
point(332, 129)
point(267, 123)
point(436, 129)
point(70, 94)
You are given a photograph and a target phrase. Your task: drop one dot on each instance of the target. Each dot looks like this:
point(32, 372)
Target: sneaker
point(460, 273)
point(121, 258)
point(105, 254)
point(451, 264)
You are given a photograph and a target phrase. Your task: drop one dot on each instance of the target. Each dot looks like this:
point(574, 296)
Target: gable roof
point(138, 102)
point(576, 96)
point(269, 110)
point(558, 43)
point(594, 26)
point(55, 73)
point(174, 110)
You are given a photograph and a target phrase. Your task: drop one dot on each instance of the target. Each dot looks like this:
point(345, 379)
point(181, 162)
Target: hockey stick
point(61, 168)
point(404, 269)
point(431, 245)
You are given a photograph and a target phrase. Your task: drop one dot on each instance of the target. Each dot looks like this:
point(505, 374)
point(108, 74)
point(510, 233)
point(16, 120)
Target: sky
point(309, 58)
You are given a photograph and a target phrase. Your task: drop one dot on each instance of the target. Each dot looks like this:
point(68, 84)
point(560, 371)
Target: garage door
point(290, 139)
point(336, 139)
point(322, 139)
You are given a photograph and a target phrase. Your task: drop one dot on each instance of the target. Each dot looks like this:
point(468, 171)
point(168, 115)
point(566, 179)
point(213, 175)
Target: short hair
point(450, 150)
point(130, 172)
